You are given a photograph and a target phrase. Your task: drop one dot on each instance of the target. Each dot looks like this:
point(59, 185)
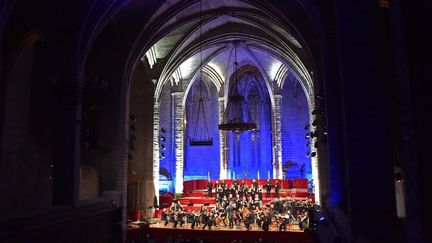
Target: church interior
point(111, 112)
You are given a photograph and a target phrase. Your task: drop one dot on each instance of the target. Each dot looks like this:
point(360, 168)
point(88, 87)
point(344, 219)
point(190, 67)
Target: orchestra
point(239, 205)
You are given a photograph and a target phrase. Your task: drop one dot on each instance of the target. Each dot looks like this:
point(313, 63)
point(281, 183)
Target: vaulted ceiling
point(206, 34)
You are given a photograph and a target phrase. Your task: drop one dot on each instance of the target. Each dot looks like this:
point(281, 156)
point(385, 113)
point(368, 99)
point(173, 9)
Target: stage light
point(306, 127)
point(313, 134)
point(163, 130)
point(162, 138)
point(163, 147)
point(308, 144)
point(308, 154)
point(307, 135)
point(313, 154)
point(322, 218)
point(314, 123)
point(162, 155)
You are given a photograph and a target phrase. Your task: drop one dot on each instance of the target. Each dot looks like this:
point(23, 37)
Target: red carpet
point(220, 236)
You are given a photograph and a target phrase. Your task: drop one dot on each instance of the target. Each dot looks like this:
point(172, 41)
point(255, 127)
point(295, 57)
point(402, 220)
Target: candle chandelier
point(237, 118)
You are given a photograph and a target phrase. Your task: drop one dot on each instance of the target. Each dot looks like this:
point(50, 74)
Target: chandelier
point(237, 118)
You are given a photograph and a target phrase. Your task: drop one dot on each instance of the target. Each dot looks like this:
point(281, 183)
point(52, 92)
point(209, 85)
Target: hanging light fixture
point(237, 118)
point(199, 139)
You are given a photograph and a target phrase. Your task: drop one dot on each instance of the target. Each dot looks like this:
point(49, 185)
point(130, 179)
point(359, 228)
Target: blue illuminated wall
point(295, 116)
point(251, 152)
point(201, 160)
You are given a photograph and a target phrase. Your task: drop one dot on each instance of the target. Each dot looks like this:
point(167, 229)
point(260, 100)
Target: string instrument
point(245, 212)
point(218, 219)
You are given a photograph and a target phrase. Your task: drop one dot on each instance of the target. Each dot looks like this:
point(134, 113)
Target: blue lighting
point(247, 153)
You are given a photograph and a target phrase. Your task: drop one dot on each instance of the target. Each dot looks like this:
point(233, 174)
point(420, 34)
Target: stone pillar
point(222, 142)
point(314, 160)
point(156, 126)
point(179, 139)
point(277, 138)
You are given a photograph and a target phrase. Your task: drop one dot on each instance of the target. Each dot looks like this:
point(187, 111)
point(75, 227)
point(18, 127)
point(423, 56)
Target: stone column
point(179, 139)
point(277, 138)
point(314, 160)
point(156, 126)
point(222, 142)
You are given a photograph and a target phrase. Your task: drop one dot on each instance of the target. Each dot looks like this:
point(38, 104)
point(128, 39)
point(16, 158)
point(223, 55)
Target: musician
point(231, 215)
point(175, 206)
point(266, 223)
point(244, 189)
point(254, 184)
point(249, 220)
point(277, 187)
point(216, 185)
point(174, 218)
point(237, 217)
point(206, 220)
point(164, 216)
point(236, 184)
point(209, 188)
point(304, 221)
point(220, 191)
point(259, 192)
point(268, 186)
point(180, 217)
point(195, 219)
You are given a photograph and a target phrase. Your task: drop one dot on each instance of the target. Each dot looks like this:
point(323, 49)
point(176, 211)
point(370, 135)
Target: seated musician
point(250, 218)
point(285, 220)
point(164, 216)
point(304, 221)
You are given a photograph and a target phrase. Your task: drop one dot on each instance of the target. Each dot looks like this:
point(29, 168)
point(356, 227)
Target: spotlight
point(162, 138)
point(308, 144)
point(307, 135)
point(306, 127)
point(163, 130)
point(322, 218)
point(163, 147)
point(314, 112)
point(313, 154)
point(312, 134)
point(308, 154)
point(162, 155)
